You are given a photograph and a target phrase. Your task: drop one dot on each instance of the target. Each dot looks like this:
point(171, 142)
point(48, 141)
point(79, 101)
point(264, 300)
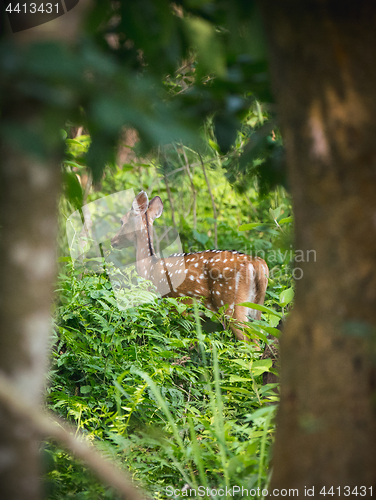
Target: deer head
point(138, 220)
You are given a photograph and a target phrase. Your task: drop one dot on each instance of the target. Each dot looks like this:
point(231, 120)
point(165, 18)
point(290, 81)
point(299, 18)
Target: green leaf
point(75, 142)
point(253, 225)
point(240, 390)
point(73, 164)
point(258, 307)
point(261, 366)
point(64, 259)
point(286, 296)
point(84, 389)
point(262, 412)
point(272, 331)
point(286, 220)
point(274, 214)
point(200, 237)
point(127, 167)
point(244, 364)
point(214, 145)
point(236, 378)
point(73, 189)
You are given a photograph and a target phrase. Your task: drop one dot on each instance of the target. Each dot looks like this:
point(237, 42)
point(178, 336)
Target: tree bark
point(323, 57)
point(28, 204)
point(29, 190)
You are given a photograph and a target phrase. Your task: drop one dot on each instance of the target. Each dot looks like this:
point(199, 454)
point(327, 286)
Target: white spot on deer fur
point(230, 287)
point(231, 260)
point(225, 261)
point(191, 278)
point(197, 291)
point(196, 265)
point(217, 260)
point(202, 276)
point(266, 269)
point(218, 292)
point(181, 294)
point(221, 302)
point(237, 278)
point(185, 270)
point(251, 271)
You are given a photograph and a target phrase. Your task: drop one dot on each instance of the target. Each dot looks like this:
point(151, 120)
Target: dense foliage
point(175, 403)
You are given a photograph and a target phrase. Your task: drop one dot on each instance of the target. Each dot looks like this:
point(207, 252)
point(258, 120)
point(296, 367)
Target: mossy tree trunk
point(323, 61)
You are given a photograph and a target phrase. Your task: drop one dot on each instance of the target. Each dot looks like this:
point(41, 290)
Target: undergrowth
point(147, 385)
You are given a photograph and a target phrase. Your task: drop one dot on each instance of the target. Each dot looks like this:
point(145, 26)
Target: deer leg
point(240, 314)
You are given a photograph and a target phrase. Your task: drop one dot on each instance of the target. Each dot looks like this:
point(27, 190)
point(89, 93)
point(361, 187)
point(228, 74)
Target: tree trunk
point(323, 60)
point(28, 199)
point(29, 189)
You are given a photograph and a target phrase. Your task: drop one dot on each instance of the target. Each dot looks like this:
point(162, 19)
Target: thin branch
point(198, 163)
point(250, 204)
point(192, 187)
point(170, 200)
point(47, 425)
point(88, 185)
point(174, 171)
point(189, 398)
point(213, 203)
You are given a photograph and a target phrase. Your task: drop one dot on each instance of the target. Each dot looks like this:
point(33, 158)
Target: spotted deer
point(220, 277)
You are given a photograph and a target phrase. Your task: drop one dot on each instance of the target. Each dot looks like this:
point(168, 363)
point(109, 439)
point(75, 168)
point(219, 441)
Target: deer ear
point(140, 203)
point(155, 208)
